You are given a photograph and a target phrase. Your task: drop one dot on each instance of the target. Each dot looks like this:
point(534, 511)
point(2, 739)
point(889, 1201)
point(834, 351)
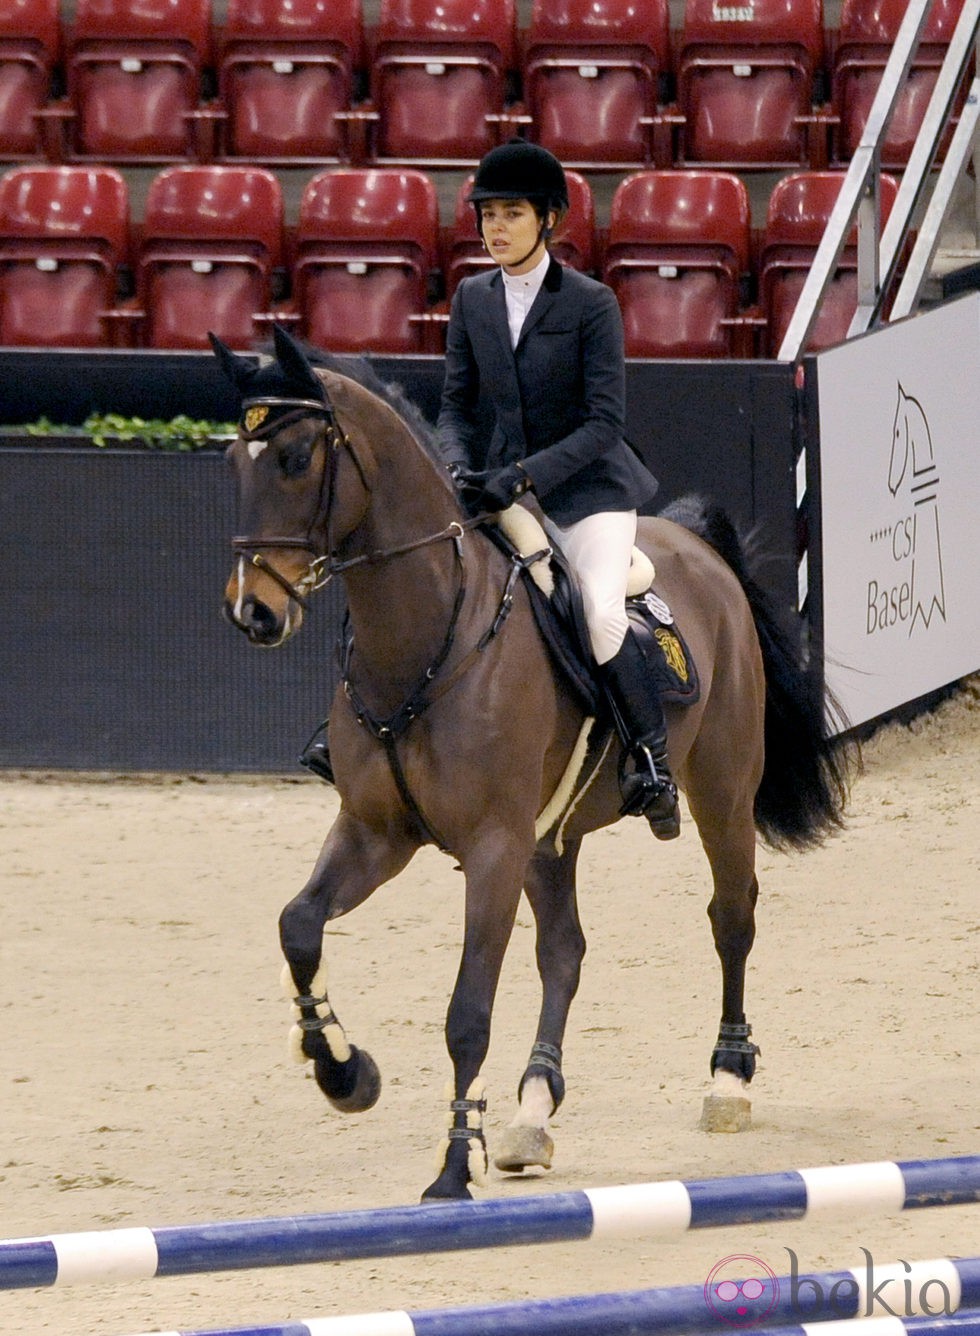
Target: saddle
point(556, 601)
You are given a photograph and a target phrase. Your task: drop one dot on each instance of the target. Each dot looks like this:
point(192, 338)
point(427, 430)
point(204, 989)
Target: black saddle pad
point(561, 621)
point(670, 660)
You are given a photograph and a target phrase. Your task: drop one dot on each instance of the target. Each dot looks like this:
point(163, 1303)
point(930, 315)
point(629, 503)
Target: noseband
point(323, 567)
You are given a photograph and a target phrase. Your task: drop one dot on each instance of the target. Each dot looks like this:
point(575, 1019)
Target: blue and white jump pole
point(932, 1298)
point(649, 1210)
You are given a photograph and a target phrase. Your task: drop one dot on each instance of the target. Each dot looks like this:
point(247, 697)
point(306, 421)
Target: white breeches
point(599, 549)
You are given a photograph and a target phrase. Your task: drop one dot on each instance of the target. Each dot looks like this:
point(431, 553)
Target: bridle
point(322, 566)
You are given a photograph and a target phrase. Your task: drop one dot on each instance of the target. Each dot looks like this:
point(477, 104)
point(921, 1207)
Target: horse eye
point(295, 462)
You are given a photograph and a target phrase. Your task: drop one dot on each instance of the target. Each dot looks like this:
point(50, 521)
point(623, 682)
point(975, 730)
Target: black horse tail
point(806, 776)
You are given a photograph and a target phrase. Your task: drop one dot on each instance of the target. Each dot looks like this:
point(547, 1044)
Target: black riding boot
point(648, 789)
point(316, 755)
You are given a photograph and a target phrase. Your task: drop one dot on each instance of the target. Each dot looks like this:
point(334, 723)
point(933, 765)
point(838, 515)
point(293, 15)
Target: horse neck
point(401, 607)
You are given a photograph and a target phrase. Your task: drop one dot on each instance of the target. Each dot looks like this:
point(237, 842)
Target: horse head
point(301, 489)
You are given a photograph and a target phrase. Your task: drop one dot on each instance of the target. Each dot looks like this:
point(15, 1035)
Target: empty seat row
point(603, 83)
point(356, 272)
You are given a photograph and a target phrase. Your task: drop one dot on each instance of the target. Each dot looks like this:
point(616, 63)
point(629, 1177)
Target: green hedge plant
point(112, 429)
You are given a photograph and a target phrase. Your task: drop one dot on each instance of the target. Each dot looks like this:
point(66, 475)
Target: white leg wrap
point(333, 1031)
point(476, 1156)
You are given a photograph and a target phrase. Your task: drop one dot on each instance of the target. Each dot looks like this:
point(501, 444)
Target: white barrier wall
point(900, 504)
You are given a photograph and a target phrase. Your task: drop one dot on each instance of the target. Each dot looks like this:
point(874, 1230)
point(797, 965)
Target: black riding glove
point(492, 489)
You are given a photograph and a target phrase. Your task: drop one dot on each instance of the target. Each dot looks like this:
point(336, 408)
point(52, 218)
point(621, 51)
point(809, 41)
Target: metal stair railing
point(879, 253)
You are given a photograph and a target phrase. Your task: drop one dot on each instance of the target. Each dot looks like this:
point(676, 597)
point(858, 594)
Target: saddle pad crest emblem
point(673, 652)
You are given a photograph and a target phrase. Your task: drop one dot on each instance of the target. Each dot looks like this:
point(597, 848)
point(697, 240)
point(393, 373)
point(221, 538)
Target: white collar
point(529, 284)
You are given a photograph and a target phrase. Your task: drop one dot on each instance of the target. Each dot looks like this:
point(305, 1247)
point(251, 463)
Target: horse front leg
point(560, 947)
point(353, 862)
point(494, 877)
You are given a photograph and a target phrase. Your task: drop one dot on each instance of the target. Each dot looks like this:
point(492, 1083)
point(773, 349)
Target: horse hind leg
point(727, 1107)
point(730, 848)
point(352, 864)
point(526, 1142)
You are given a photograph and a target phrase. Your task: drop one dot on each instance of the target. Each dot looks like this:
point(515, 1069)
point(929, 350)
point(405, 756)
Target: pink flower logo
point(738, 1297)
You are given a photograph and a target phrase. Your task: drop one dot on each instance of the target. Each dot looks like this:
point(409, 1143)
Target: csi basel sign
point(907, 589)
point(899, 497)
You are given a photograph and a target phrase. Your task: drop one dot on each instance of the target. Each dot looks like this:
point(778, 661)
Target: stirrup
point(315, 756)
point(650, 791)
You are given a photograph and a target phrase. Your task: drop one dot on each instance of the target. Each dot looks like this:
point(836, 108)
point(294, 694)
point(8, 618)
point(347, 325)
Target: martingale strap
point(426, 691)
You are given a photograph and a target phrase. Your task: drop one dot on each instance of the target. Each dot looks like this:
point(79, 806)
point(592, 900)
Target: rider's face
point(511, 230)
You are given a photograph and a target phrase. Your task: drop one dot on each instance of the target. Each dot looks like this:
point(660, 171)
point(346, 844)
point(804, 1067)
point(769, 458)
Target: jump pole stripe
point(649, 1210)
point(685, 1311)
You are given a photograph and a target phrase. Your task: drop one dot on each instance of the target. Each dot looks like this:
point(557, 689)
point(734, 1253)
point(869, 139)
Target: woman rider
point(543, 344)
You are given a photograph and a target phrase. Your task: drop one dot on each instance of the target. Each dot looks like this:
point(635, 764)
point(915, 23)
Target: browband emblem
point(256, 416)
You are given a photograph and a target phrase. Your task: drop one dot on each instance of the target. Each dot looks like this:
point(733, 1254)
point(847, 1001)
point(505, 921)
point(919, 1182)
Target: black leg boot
point(316, 755)
point(648, 789)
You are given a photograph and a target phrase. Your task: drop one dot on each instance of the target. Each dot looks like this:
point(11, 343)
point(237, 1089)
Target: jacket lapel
point(498, 313)
point(543, 302)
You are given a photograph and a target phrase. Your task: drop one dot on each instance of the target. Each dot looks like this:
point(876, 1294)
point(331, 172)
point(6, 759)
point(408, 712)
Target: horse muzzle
point(261, 624)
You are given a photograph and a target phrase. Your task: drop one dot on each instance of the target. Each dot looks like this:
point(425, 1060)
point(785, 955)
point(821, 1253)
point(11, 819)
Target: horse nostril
point(258, 618)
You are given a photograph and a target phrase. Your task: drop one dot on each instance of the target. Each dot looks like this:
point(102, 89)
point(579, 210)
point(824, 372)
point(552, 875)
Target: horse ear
point(239, 370)
point(294, 361)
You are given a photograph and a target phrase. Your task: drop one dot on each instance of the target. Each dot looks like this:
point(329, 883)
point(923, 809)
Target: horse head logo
point(913, 478)
point(911, 440)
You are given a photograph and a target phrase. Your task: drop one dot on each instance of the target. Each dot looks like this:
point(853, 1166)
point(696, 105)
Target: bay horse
point(451, 726)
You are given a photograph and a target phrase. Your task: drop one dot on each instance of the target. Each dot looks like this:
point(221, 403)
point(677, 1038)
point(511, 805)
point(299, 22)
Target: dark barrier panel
point(114, 654)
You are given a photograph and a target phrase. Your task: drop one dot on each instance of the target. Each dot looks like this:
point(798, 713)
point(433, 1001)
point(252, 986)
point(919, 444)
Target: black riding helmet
point(519, 170)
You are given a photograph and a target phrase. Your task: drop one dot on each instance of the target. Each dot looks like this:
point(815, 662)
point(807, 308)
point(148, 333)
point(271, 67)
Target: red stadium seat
point(64, 232)
point(439, 78)
point(366, 243)
point(868, 29)
point(285, 74)
point(134, 79)
point(30, 47)
point(799, 208)
point(592, 71)
point(677, 247)
point(212, 237)
point(574, 242)
point(745, 81)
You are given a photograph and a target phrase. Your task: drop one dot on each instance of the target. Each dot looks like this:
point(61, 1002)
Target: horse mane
point(360, 370)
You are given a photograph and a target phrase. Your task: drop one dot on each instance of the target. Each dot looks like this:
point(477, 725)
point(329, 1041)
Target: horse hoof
point(524, 1148)
point(725, 1113)
point(367, 1087)
point(440, 1191)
